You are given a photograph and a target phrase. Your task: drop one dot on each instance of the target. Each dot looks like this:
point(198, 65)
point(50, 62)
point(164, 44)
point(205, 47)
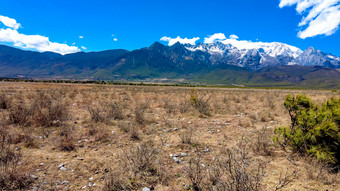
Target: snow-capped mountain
point(272, 49)
point(257, 55)
point(313, 57)
point(216, 63)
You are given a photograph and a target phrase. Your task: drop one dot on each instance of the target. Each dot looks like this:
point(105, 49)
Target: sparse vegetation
point(12, 176)
point(107, 137)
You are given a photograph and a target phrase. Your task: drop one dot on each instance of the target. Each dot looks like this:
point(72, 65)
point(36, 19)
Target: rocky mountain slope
point(260, 55)
point(261, 64)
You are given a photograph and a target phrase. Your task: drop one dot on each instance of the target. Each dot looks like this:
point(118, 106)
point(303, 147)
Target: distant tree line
point(97, 82)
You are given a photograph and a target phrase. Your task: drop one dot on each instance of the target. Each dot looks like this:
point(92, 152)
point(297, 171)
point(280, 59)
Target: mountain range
point(239, 64)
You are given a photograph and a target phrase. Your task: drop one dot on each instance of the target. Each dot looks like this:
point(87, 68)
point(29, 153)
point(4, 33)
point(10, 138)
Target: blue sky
point(135, 24)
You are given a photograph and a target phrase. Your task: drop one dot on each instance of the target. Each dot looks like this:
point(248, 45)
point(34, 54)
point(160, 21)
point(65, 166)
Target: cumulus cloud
point(321, 17)
point(37, 42)
point(214, 37)
point(9, 22)
point(83, 47)
point(233, 36)
point(115, 39)
point(173, 41)
point(81, 37)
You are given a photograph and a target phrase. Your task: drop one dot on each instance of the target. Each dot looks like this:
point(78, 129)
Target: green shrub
point(314, 129)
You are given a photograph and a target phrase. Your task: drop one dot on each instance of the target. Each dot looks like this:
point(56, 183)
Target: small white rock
point(176, 160)
point(63, 168)
point(61, 165)
point(184, 154)
point(34, 177)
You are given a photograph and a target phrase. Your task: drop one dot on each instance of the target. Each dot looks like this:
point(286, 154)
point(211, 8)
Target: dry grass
point(166, 138)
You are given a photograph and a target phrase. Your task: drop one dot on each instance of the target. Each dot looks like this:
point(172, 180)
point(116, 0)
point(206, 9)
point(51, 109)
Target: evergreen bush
point(314, 129)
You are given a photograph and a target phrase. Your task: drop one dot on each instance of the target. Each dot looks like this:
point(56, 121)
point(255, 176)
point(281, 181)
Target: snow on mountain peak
point(273, 49)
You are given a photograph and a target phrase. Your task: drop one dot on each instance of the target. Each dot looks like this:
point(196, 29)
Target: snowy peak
point(273, 49)
point(313, 57)
point(212, 48)
point(257, 55)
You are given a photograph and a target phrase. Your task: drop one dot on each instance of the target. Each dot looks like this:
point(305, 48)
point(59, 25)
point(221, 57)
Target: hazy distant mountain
point(261, 64)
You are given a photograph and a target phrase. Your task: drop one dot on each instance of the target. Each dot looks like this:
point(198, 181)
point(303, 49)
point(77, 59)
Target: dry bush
point(140, 113)
point(169, 106)
point(29, 141)
point(130, 128)
point(139, 167)
point(66, 139)
point(4, 102)
point(117, 181)
point(114, 111)
point(271, 102)
point(263, 143)
point(233, 170)
point(254, 117)
point(184, 107)
point(134, 134)
point(12, 177)
point(285, 179)
point(240, 176)
point(200, 102)
point(186, 135)
point(266, 116)
point(141, 159)
point(101, 135)
point(45, 111)
point(196, 172)
point(320, 171)
point(96, 114)
point(106, 111)
point(139, 117)
point(19, 114)
point(125, 126)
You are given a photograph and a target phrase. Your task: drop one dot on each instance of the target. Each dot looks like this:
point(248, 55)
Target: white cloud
point(233, 36)
point(83, 47)
point(37, 42)
point(322, 16)
point(173, 41)
point(9, 22)
point(81, 37)
point(115, 39)
point(214, 37)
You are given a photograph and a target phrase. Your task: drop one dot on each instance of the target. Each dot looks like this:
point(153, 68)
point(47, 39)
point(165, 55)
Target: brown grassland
point(106, 137)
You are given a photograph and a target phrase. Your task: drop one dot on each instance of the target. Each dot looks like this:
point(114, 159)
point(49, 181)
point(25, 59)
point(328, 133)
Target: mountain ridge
point(215, 63)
